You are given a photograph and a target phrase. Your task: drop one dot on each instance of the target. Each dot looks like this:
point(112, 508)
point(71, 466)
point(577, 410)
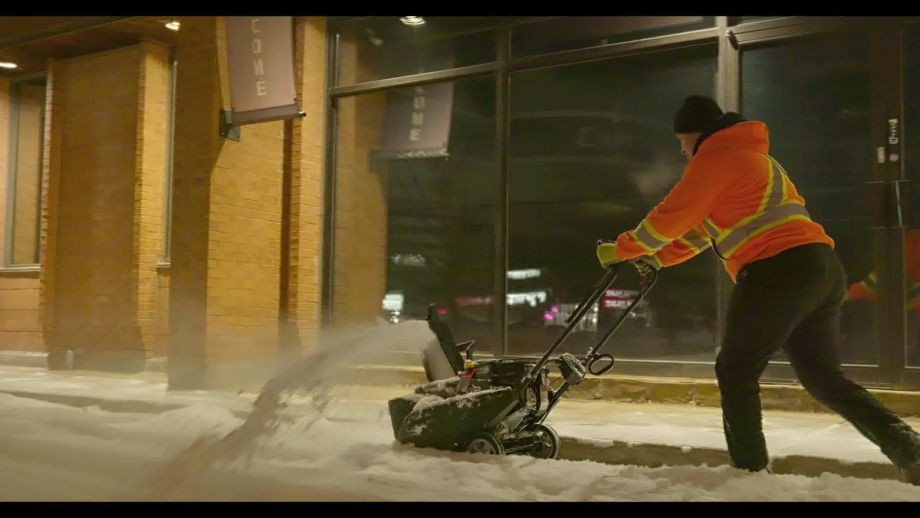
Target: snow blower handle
point(580, 311)
point(648, 274)
point(592, 297)
point(647, 278)
point(597, 363)
point(572, 368)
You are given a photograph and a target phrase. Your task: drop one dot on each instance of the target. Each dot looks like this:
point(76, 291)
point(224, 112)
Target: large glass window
point(815, 95)
point(575, 32)
point(379, 47)
point(23, 214)
point(592, 151)
point(416, 183)
point(911, 148)
point(745, 19)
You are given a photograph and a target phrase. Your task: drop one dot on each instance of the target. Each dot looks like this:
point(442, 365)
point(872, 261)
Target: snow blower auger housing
point(498, 406)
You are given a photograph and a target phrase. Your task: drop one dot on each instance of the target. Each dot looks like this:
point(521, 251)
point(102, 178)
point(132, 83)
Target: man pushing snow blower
point(789, 288)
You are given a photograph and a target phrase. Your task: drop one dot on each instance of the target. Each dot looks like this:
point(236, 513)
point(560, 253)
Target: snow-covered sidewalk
point(54, 451)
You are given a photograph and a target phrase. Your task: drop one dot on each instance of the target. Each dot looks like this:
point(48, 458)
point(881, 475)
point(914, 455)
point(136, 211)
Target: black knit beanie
point(695, 114)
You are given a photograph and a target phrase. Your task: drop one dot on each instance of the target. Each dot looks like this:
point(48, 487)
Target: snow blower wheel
point(548, 447)
point(485, 443)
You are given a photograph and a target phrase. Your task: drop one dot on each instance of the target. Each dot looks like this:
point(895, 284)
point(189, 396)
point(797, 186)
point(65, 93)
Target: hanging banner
point(260, 61)
point(418, 121)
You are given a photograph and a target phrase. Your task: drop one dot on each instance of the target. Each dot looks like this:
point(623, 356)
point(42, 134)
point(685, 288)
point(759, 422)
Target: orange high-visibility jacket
point(733, 194)
point(865, 289)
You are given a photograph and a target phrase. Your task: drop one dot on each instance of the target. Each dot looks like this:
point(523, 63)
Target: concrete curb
point(636, 389)
point(24, 358)
point(631, 389)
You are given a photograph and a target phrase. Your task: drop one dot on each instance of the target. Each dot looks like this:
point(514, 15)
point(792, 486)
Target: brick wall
point(106, 134)
point(226, 228)
point(307, 170)
point(51, 168)
point(195, 152)
point(162, 308)
point(150, 171)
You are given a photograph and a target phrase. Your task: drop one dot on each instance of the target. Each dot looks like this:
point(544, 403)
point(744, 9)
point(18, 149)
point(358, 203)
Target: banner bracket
point(227, 129)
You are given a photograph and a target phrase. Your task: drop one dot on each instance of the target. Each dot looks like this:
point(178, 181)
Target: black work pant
point(793, 300)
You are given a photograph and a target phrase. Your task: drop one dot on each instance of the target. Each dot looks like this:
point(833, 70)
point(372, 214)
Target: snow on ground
point(50, 451)
point(822, 435)
point(55, 452)
point(597, 422)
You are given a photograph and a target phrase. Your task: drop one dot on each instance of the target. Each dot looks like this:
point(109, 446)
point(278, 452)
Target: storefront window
point(416, 184)
point(592, 151)
point(815, 96)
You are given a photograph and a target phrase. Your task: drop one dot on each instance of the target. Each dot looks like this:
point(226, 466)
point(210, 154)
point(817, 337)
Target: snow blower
point(498, 406)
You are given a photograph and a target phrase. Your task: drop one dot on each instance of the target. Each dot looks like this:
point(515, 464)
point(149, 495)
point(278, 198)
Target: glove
point(646, 265)
point(607, 254)
point(647, 268)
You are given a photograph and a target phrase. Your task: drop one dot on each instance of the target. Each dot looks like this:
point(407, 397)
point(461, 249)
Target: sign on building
point(260, 61)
